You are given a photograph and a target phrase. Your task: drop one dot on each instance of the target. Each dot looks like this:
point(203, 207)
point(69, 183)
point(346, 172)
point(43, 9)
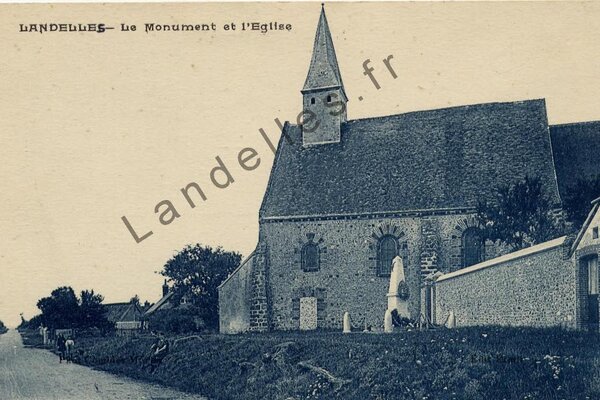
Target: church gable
point(424, 160)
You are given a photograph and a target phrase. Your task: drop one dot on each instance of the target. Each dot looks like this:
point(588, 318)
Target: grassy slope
point(490, 363)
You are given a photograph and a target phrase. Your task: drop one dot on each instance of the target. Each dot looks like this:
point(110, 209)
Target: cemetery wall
point(532, 287)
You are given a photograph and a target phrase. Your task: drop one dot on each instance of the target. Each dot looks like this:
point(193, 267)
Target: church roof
point(576, 149)
point(323, 71)
point(425, 160)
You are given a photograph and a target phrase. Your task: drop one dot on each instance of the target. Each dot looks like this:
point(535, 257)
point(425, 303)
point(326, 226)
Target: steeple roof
point(323, 71)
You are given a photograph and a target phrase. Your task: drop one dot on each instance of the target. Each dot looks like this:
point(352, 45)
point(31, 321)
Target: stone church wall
point(235, 295)
point(347, 279)
point(533, 287)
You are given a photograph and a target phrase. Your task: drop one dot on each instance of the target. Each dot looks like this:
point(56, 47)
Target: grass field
point(490, 363)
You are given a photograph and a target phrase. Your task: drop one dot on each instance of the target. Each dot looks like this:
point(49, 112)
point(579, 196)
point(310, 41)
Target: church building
point(344, 199)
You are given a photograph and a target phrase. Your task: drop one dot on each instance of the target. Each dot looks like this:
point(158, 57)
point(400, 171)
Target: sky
point(94, 127)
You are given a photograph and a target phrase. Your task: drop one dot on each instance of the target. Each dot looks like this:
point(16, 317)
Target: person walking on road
point(69, 349)
point(61, 347)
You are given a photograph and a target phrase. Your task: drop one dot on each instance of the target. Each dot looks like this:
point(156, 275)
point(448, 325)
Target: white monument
point(398, 293)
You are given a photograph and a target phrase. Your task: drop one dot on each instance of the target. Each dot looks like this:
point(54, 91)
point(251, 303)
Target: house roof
point(159, 303)
point(437, 159)
point(576, 150)
point(323, 70)
point(119, 312)
point(586, 225)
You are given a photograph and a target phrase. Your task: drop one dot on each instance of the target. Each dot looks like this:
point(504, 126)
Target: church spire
point(323, 96)
point(323, 71)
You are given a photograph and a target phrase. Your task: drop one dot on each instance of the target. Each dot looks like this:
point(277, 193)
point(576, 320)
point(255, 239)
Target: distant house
point(126, 316)
point(166, 302)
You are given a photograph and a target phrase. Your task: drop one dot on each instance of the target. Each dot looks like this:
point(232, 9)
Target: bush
point(176, 321)
point(3, 329)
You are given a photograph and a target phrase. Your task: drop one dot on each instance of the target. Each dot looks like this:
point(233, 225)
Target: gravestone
point(308, 313)
point(347, 327)
point(451, 322)
point(388, 325)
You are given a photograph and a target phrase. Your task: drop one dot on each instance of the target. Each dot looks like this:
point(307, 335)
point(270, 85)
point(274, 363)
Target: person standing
point(69, 348)
point(161, 349)
point(61, 347)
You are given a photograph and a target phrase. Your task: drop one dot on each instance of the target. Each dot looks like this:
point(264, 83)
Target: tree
point(196, 272)
point(92, 311)
point(578, 197)
point(519, 216)
point(60, 309)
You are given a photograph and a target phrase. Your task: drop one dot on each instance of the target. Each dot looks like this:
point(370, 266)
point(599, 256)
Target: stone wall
point(235, 299)
point(260, 304)
point(347, 279)
point(532, 287)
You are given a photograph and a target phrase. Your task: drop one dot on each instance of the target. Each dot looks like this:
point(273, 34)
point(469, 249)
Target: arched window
point(386, 251)
point(312, 100)
point(472, 247)
point(310, 257)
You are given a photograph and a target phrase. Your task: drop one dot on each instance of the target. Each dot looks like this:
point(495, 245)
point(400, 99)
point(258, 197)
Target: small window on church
point(472, 247)
point(310, 257)
point(312, 100)
point(329, 99)
point(595, 233)
point(387, 250)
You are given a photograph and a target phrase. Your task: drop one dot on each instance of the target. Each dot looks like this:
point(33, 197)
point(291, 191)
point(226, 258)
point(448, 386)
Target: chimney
point(165, 288)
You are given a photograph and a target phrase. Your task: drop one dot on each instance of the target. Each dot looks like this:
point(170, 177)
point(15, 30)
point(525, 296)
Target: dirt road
point(36, 374)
